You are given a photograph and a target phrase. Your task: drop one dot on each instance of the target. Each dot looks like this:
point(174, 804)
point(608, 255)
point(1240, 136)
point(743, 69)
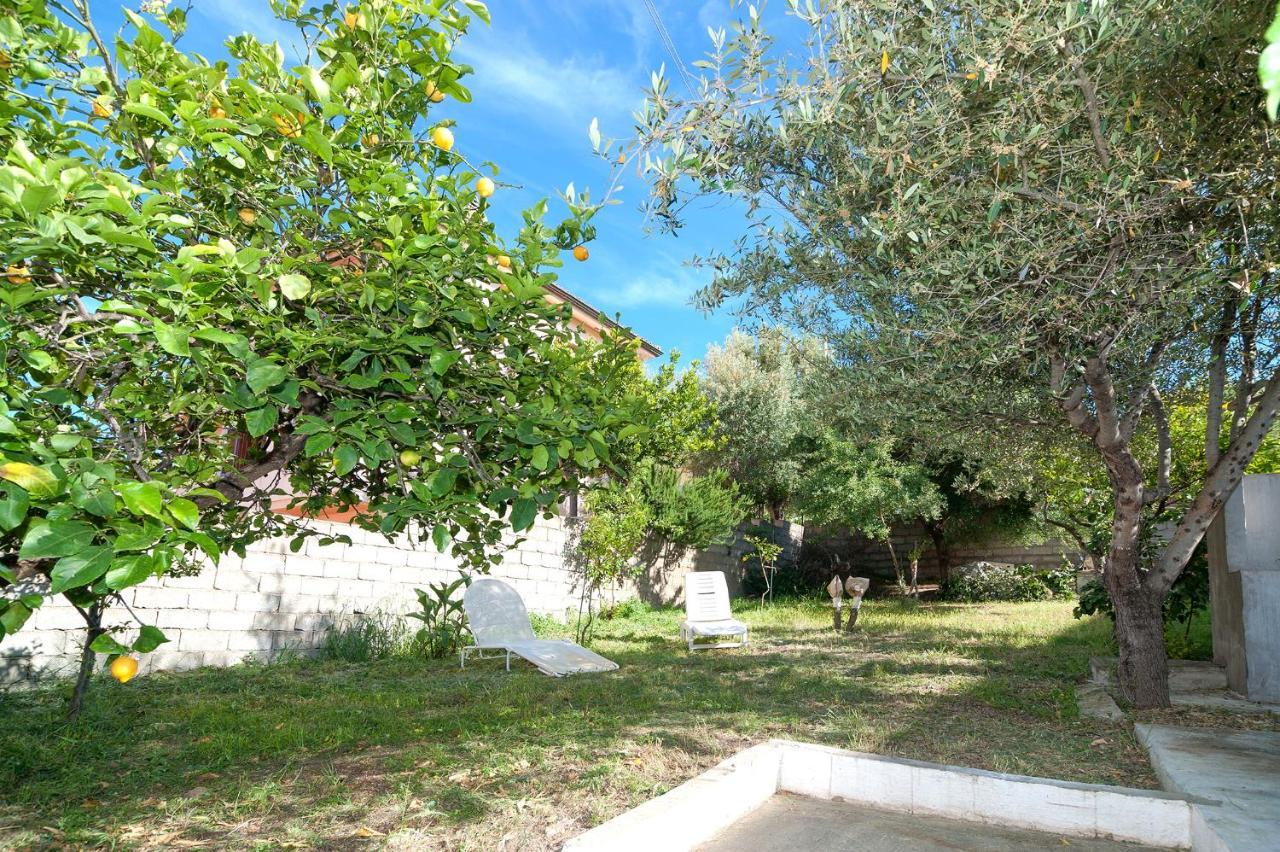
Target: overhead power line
point(665, 38)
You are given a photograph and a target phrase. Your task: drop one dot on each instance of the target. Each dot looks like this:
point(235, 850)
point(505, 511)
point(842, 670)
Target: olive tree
point(1010, 216)
point(758, 386)
point(229, 283)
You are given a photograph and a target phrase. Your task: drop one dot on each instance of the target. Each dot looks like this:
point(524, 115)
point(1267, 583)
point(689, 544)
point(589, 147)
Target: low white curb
point(697, 810)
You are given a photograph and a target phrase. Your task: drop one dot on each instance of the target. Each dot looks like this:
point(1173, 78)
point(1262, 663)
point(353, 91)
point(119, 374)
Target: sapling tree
point(233, 283)
point(1013, 217)
point(764, 552)
point(866, 488)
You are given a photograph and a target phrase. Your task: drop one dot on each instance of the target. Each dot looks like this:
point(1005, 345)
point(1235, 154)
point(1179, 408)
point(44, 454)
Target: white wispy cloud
point(563, 92)
point(653, 288)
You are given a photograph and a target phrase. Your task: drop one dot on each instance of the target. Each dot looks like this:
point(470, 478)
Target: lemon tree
point(233, 282)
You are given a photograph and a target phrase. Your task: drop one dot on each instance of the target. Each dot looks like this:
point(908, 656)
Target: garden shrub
point(981, 582)
point(624, 609)
point(698, 512)
point(443, 619)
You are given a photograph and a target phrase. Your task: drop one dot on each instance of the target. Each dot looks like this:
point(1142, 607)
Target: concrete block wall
point(274, 600)
point(662, 581)
point(873, 559)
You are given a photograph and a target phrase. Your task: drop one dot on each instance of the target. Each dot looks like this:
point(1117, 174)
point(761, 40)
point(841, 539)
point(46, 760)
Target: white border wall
point(693, 813)
point(274, 600)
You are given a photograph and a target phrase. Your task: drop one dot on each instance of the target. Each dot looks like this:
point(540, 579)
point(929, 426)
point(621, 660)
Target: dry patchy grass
point(408, 753)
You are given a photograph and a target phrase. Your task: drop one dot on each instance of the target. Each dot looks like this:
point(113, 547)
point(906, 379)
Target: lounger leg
point(508, 661)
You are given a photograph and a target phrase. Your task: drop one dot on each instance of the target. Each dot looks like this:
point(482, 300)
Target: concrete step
point(1184, 675)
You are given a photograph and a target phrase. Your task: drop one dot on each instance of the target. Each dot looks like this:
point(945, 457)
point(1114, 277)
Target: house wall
point(273, 601)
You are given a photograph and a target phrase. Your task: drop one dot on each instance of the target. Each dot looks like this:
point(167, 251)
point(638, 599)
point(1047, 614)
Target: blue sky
point(543, 70)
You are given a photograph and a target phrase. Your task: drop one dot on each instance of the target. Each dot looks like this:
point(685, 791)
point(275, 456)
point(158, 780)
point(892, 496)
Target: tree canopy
point(236, 282)
point(1028, 218)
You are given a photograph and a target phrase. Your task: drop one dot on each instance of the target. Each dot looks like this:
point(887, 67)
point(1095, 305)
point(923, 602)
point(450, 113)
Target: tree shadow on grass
point(495, 738)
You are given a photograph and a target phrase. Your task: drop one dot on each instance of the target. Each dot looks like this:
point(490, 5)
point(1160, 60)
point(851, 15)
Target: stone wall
point(273, 600)
point(662, 582)
point(870, 558)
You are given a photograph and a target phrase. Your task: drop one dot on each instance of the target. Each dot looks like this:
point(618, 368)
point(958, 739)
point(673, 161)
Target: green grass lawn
point(407, 753)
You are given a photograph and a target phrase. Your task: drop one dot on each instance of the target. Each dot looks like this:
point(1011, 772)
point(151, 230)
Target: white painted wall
point(273, 600)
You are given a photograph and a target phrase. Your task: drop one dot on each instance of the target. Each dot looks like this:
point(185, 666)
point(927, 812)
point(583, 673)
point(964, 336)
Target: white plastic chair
point(707, 613)
point(499, 622)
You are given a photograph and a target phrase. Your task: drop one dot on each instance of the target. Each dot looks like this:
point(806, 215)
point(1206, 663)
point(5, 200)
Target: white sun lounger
point(707, 614)
point(499, 622)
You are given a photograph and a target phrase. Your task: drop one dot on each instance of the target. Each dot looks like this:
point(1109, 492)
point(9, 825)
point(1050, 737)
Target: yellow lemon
point(581, 253)
point(216, 110)
point(433, 94)
point(288, 126)
point(102, 107)
point(442, 138)
point(410, 458)
point(353, 20)
point(247, 215)
point(124, 669)
point(17, 274)
point(372, 140)
point(503, 260)
point(484, 187)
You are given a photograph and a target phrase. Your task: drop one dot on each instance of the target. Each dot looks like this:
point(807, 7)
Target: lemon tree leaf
point(56, 538)
point(130, 570)
point(36, 481)
point(263, 374)
point(440, 535)
point(149, 638)
point(13, 505)
point(185, 512)
point(294, 286)
point(523, 513)
point(541, 458)
point(79, 569)
point(260, 421)
point(107, 644)
point(142, 499)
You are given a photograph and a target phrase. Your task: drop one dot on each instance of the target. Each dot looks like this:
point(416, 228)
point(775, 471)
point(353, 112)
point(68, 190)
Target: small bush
point(788, 582)
point(629, 608)
point(366, 637)
point(697, 511)
point(993, 581)
point(443, 619)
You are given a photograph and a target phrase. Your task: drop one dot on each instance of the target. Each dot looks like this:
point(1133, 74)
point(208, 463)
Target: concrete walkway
point(1233, 777)
point(790, 823)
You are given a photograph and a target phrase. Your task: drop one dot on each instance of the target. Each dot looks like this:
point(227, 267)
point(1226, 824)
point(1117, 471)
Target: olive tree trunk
point(1138, 591)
